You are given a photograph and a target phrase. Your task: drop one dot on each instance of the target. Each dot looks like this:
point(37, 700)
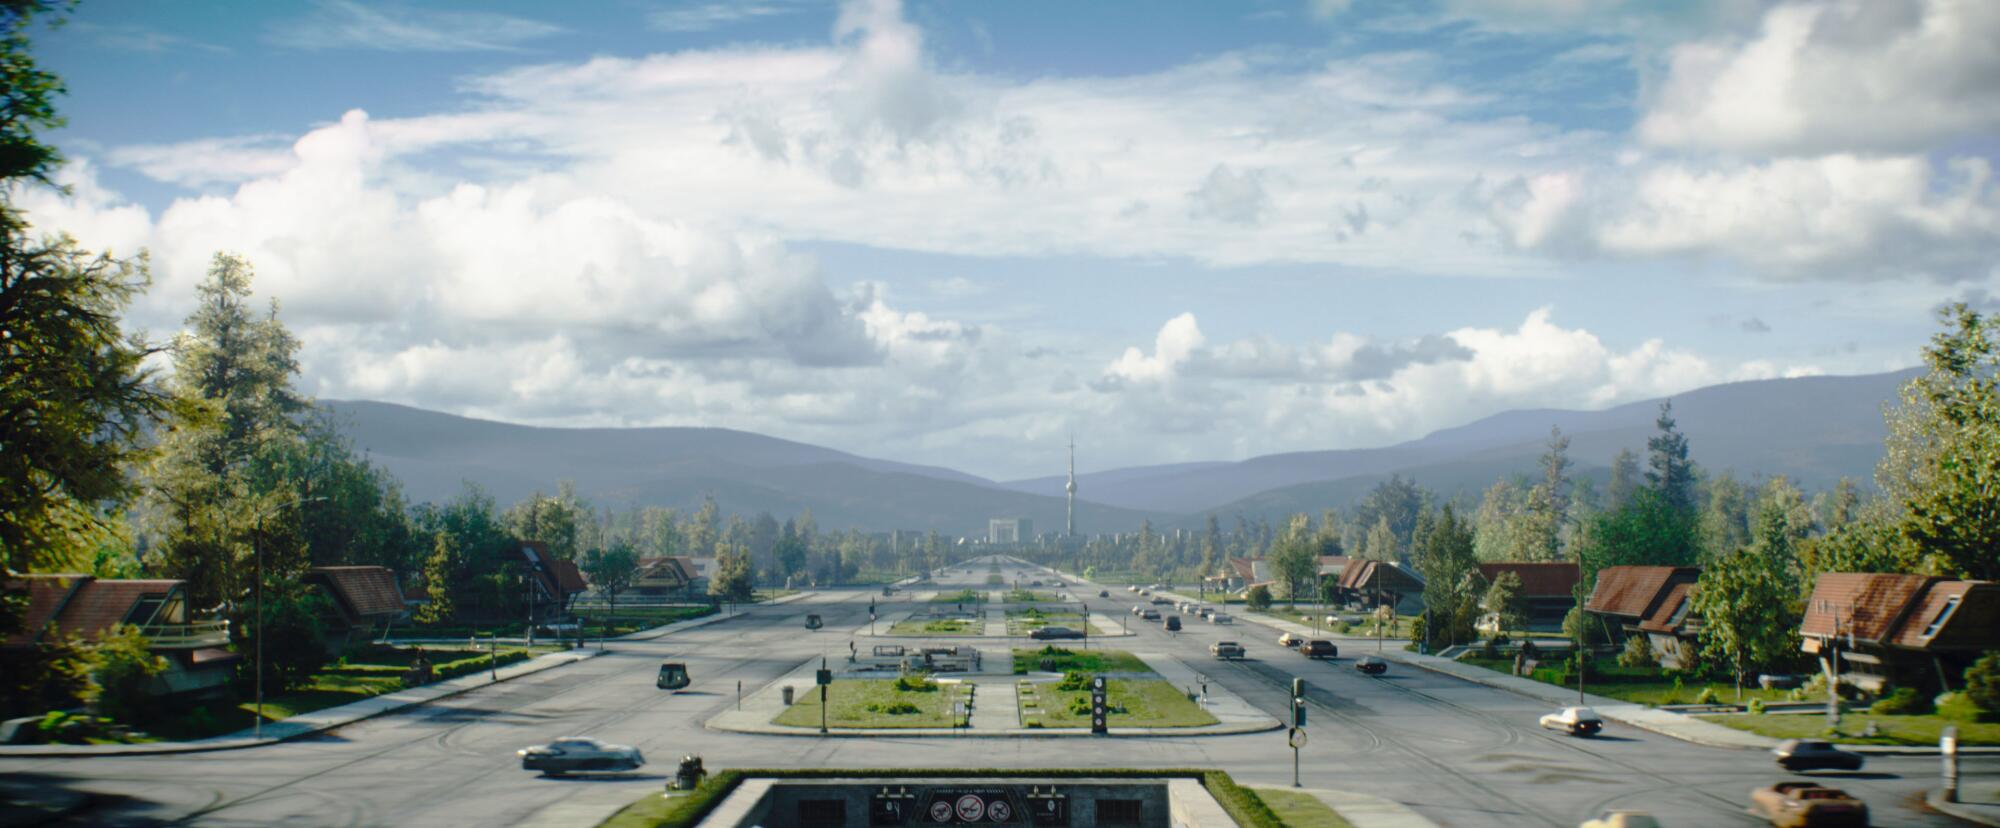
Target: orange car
point(1807, 805)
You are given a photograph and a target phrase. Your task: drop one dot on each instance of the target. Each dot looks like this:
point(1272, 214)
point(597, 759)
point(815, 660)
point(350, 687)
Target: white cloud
point(345, 24)
point(1228, 195)
point(702, 17)
point(1842, 75)
point(206, 161)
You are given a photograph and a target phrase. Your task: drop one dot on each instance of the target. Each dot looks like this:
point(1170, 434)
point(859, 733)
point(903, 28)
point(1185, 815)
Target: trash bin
point(788, 695)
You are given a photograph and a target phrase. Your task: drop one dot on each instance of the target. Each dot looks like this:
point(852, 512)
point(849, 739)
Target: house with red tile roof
point(1651, 601)
point(362, 600)
point(197, 652)
point(1548, 589)
point(1884, 629)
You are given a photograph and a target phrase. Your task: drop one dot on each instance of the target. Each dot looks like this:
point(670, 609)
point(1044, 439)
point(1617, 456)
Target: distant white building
point(1009, 530)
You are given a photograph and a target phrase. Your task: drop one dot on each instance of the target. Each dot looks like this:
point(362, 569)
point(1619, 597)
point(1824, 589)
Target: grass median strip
point(1134, 703)
point(938, 626)
point(1054, 659)
point(1890, 729)
point(1300, 810)
point(910, 701)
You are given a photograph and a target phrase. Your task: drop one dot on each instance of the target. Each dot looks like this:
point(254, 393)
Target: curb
point(1359, 809)
point(1958, 810)
point(1012, 733)
point(712, 618)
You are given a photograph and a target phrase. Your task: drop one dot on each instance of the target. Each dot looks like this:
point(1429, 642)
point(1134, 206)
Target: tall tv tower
point(1069, 519)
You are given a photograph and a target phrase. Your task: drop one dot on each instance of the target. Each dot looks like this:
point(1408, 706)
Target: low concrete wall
point(1147, 803)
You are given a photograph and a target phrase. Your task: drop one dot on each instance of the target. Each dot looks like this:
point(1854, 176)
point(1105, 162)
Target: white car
point(1291, 640)
point(1576, 721)
point(570, 754)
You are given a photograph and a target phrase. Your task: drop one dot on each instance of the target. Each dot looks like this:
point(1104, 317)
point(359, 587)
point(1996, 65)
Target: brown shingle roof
point(1632, 591)
point(1866, 604)
point(1973, 625)
point(1538, 580)
point(569, 579)
point(1662, 616)
point(368, 591)
point(45, 596)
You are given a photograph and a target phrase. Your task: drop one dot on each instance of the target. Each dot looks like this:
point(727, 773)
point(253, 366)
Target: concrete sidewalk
point(1360, 809)
point(1977, 813)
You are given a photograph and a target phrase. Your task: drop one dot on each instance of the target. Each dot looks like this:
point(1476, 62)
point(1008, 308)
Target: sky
point(958, 232)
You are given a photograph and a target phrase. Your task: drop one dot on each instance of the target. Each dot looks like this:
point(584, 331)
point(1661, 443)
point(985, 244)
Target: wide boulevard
point(1461, 754)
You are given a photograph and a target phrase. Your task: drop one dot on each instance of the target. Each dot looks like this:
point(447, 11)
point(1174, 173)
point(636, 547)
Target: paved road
point(1461, 754)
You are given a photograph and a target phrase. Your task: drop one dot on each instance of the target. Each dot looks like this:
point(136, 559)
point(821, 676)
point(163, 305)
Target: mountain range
point(1814, 430)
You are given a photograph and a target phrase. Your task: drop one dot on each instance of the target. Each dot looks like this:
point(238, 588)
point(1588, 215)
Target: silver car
point(572, 754)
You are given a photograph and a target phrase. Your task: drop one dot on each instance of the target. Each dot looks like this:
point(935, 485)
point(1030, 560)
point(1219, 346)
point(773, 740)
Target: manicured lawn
point(937, 626)
point(1895, 730)
point(861, 703)
point(1639, 685)
point(372, 672)
point(963, 596)
point(1023, 622)
point(597, 622)
point(1026, 596)
point(1300, 810)
point(1134, 703)
point(1084, 661)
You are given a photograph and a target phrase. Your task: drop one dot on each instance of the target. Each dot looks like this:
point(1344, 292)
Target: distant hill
point(434, 454)
point(1812, 429)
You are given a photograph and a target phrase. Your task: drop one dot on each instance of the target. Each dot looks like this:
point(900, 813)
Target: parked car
point(1371, 665)
point(1319, 648)
point(572, 754)
point(1623, 819)
point(1054, 633)
point(1291, 640)
point(1221, 618)
point(1226, 649)
point(1807, 804)
point(1576, 721)
point(1812, 754)
point(1104, 593)
point(1150, 615)
point(1173, 623)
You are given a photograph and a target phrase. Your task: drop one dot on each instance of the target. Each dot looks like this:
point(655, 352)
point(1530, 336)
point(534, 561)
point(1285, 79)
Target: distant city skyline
point(940, 232)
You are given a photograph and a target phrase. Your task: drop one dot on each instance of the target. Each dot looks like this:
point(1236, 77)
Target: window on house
point(1944, 614)
point(143, 612)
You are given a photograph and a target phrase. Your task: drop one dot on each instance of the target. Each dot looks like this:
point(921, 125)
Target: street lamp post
point(257, 550)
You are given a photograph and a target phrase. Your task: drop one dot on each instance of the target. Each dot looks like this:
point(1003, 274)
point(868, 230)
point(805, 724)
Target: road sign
point(823, 677)
point(1298, 737)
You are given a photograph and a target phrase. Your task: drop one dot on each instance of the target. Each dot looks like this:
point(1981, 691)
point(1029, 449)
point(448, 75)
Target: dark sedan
point(1810, 754)
point(1318, 648)
point(1052, 633)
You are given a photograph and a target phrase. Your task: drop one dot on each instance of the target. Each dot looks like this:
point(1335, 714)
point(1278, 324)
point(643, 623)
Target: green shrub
point(122, 672)
point(1638, 652)
point(915, 683)
point(1757, 705)
point(1706, 696)
point(1959, 707)
point(1982, 684)
point(1343, 627)
point(1905, 701)
point(1073, 681)
point(1259, 597)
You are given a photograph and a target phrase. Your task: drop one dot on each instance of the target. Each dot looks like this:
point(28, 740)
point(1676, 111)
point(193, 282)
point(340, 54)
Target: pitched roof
point(1661, 619)
point(1974, 625)
point(1387, 574)
point(569, 579)
point(1331, 564)
point(83, 605)
point(367, 591)
point(1866, 605)
point(1633, 591)
point(1538, 580)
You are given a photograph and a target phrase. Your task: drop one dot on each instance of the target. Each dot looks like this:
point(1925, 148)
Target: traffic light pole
point(1297, 735)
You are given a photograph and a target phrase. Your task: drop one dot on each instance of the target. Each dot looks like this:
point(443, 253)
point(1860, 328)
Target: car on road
point(1623, 819)
point(1575, 721)
point(1291, 640)
point(1371, 665)
point(1104, 593)
point(1138, 608)
point(1807, 805)
point(1034, 583)
point(1150, 615)
point(1226, 649)
point(1221, 618)
point(1160, 601)
point(1173, 623)
point(1130, 588)
point(1057, 583)
point(673, 675)
point(1319, 648)
point(576, 754)
point(1054, 633)
point(1145, 592)
point(1812, 754)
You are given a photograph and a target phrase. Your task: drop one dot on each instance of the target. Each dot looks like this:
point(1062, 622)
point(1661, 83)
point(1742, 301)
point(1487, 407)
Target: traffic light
point(1298, 702)
point(1298, 688)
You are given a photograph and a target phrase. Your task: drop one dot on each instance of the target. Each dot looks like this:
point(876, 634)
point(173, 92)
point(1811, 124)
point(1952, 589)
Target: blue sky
point(953, 232)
